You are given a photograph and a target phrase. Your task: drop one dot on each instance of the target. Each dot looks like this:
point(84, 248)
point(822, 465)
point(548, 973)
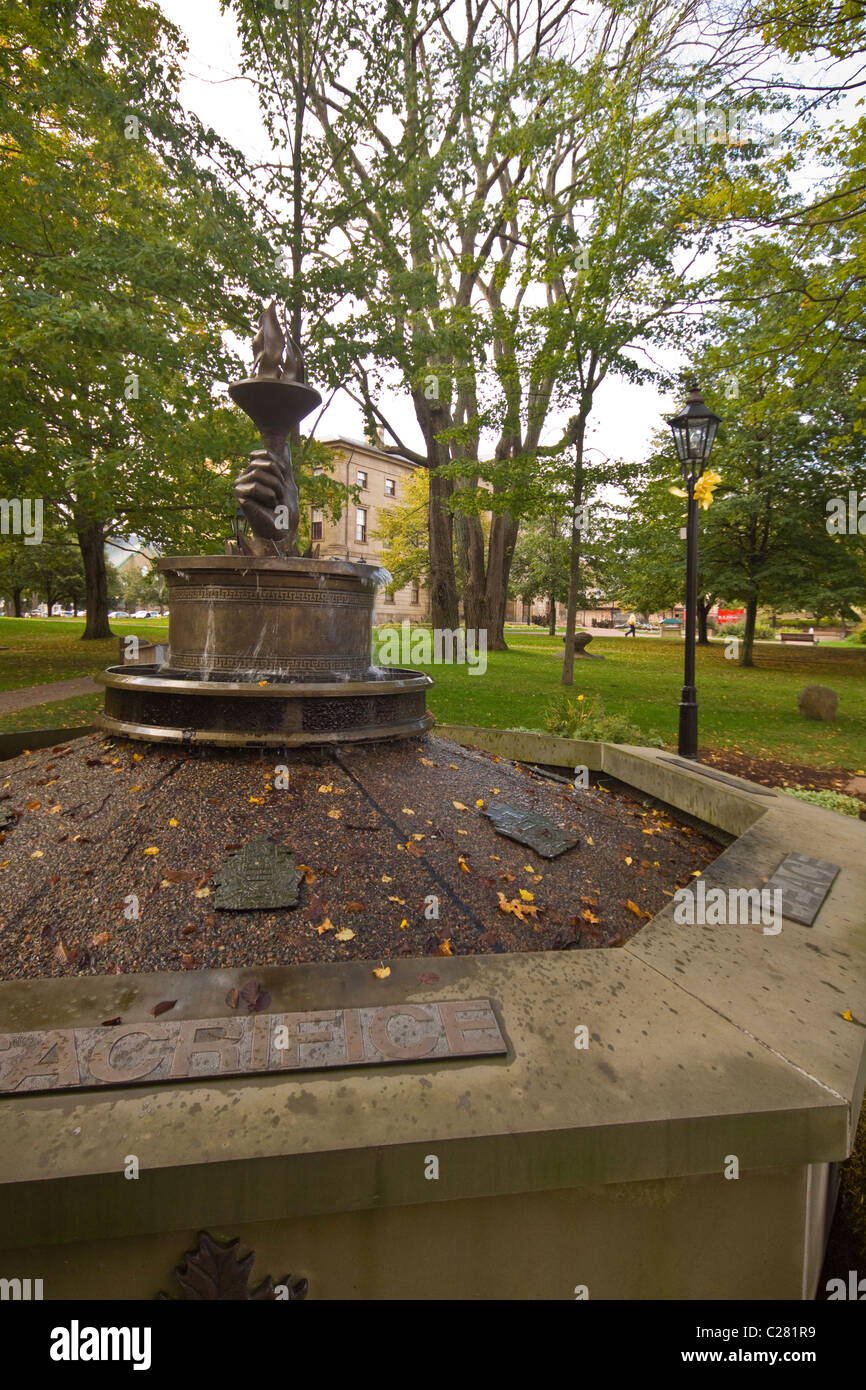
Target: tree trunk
point(551, 628)
point(503, 538)
point(433, 418)
point(92, 543)
point(574, 568)
point(749, 633)
point(470, 553)
point(16, 602)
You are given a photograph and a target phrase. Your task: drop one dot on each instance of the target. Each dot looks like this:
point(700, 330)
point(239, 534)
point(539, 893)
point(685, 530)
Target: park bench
point(808, 637)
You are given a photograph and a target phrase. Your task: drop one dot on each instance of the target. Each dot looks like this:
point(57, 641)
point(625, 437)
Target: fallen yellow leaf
point(101, 938)
point(628, 859)
point(404, 924)
point(445, 948)
point(174, 822)
point(386, 878)
point(401, 901)
point(327, 925)
point(137, 757)
point(152, 850)
point(326, 787)
point(527, 896)
point(458, 806)
point(344, 934)
point(464, 866)
point(334, 813)
point(202, 892)
point(383, 972)
point(407, 811)
point(257, 799)
point(37, 854)
point(638, 911)
point(848, 1016)
point(480, 802)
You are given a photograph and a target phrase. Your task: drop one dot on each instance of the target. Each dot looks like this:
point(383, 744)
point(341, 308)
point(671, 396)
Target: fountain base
point(144, 703)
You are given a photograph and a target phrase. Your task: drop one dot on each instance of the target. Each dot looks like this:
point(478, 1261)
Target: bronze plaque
point(205, 1048)
point(261, 875)
point(530, 828)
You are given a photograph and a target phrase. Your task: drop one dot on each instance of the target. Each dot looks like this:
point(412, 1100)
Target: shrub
point(831, 801)
point(739, 630)
point(572, 716)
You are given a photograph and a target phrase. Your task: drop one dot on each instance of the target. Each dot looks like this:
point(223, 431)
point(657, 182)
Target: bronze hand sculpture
point(276, 398)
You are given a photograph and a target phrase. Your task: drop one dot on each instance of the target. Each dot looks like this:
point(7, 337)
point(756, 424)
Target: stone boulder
point(818, 702)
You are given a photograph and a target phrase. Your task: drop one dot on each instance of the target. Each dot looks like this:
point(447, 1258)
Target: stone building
point(381, 478)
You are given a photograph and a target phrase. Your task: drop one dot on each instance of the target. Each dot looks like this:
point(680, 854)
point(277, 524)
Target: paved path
point(12, 700)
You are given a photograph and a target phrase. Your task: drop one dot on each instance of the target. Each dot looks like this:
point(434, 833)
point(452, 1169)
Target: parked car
point(119, 614)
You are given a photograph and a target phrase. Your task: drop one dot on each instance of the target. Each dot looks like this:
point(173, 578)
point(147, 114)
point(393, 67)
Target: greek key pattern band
point(296, 666)
point(331, 598)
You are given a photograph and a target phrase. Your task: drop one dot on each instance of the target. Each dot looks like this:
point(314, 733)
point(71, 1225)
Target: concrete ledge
point(705, 1043)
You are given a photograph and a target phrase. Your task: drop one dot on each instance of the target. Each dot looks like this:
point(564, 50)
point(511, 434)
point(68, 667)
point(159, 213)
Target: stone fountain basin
point(243, 616)
point(145, 704)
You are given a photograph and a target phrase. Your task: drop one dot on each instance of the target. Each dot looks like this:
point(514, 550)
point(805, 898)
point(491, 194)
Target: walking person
point(631, 631)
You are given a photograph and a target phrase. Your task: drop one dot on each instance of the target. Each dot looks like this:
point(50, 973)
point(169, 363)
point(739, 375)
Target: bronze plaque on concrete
point(205, 1048)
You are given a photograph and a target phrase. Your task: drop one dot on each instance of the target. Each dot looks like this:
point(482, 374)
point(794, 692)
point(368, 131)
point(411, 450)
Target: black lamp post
point(694, 433)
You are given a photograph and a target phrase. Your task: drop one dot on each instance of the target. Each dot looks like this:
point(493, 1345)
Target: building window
point(362, 478)
point(389, 596)
point(390, 487)
point(316, 525)
point(361, 524)
point(416, 594)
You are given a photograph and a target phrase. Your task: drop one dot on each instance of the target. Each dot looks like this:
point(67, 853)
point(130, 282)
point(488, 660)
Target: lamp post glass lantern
point(694, 432)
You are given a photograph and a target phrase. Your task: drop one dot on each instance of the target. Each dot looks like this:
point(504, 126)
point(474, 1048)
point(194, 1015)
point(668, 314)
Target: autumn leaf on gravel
point(516, 907)
point(638, 911)
point(589, 916)
point(386, 878)
point(628, 859)
point(407, 811)
point(354, 907)
point(257, 799)
point(458, 806)
point(401, 901)
point(178, 875)
point(334, 813)
point(848, 1016)
point(480, 803)
point(382, 972)
point(445, 948)
point(428, 762)
point(174, 822)
point(326, 787)
point(327, 925)
point(527, 896)
point(404, 924)
point(167, 1004)
point(415, 849)
point(344, 934)
point(33, 805)
point(464, 866)
point(151, 850)
point(232, 998)
point(309, 876)
point(101, 938)
point(508, 877)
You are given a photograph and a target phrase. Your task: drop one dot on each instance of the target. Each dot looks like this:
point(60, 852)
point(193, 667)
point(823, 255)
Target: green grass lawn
point(754, 711)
